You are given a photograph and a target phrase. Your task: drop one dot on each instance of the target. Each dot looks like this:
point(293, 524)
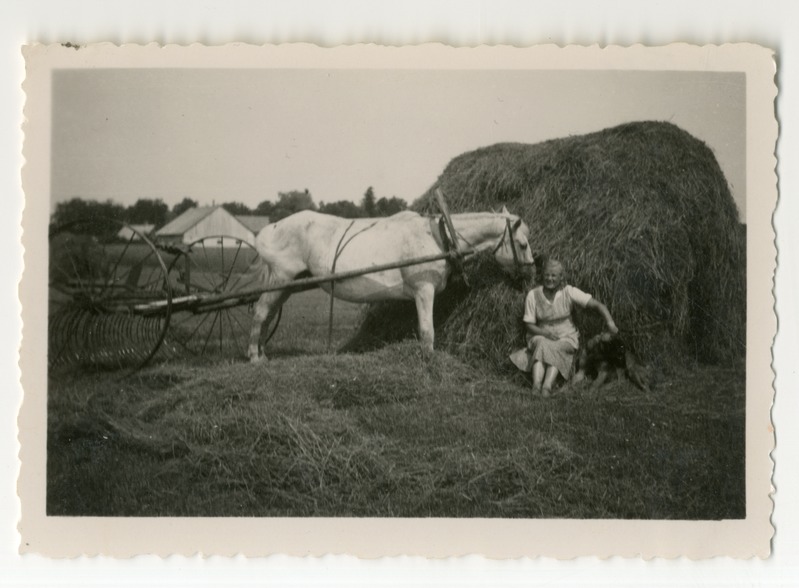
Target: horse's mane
point(485, 214)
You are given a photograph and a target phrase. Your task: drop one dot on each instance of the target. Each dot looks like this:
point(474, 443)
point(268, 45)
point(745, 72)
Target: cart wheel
point(212, 266)
point(101, 274)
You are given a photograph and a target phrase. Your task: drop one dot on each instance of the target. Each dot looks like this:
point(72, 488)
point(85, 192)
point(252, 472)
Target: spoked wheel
point(102, 275)
point(219, 265)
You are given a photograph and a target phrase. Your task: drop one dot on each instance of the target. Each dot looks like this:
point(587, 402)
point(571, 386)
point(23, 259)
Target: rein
point(339, 249)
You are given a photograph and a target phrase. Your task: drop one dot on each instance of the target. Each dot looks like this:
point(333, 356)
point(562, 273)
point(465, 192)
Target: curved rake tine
point(66, 318)
point(275, 324)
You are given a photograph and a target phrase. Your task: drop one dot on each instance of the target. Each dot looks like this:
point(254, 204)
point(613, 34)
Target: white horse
point(311, 243)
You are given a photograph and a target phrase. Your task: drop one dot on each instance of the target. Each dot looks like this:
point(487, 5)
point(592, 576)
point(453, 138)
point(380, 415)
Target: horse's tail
point(262, 272)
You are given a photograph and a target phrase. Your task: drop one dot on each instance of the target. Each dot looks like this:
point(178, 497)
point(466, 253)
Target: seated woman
point(551, 335)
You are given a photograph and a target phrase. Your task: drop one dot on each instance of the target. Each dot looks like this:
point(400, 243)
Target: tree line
point(156, 212)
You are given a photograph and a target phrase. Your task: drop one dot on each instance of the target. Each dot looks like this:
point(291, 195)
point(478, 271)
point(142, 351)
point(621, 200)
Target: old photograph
point(311, 288)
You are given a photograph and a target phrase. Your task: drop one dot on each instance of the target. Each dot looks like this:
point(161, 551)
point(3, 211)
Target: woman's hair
point(556, 265)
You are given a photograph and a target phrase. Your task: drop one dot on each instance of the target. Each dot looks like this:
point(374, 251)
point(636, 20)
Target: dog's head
point(607, 346)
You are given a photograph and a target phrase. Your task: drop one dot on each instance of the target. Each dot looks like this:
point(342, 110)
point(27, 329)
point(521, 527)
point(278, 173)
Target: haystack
point(642, 217)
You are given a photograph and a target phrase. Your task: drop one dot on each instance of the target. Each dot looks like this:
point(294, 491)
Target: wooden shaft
point(251, 295)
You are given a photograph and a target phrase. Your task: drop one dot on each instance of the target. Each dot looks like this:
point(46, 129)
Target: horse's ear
point(505, 210)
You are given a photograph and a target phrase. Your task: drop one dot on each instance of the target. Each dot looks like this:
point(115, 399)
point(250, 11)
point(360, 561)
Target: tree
point(77, 209)
point(236, 208)
point(264, 208)
point(147, 211)
point(342, 208)
point(368, 203)
point(290, 202)
point(389, 206)
point(183, 206)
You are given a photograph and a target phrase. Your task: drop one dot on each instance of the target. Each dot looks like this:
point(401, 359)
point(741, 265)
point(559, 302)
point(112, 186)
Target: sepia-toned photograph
point(343, 290)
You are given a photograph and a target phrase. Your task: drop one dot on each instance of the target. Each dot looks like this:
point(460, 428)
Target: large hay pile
point(643, 219)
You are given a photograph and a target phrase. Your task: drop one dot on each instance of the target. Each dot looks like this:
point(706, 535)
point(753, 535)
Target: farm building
point(134, 232)
point(210, 221)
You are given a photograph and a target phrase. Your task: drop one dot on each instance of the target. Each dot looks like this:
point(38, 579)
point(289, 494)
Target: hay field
point(387, 433)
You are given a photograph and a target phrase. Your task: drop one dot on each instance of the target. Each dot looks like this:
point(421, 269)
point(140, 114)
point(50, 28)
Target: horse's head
point(513, 252)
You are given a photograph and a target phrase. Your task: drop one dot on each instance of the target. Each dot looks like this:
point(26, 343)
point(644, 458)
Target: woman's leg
point(549, 380)
point(538, 376)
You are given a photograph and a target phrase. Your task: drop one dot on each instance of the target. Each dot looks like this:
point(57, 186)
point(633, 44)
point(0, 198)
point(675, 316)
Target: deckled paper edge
point(494, 538)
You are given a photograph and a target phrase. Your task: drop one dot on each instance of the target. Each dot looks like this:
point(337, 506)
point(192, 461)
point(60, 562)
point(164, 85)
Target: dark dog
point(606, 352)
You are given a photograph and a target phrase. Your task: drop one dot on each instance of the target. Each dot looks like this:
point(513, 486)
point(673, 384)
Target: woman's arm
point(603, 310)
point(534, 329)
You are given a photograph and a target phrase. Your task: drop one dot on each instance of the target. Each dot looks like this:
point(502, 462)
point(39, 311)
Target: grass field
point(387, 433)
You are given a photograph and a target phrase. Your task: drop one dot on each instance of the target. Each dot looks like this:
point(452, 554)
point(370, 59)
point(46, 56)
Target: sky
point(220, 135)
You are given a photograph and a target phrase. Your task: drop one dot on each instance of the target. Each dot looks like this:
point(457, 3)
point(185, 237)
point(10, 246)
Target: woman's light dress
point(556, 317)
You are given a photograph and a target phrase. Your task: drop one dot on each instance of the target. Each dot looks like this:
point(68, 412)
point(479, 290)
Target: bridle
point(509, 230)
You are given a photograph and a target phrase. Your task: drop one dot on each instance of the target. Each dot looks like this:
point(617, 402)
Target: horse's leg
point(424, 296)
point(265, 311)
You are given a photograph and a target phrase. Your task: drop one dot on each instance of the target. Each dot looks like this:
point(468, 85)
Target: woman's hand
point(552, 337)
point(603, 310)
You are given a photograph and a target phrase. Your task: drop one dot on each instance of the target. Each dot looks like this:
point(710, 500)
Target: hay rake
point(116, 303)
point(96, 281)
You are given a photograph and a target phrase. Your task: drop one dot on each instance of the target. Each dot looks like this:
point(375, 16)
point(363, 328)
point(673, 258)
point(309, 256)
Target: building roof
point(185, 221)
point(252, 222)
point(192, 216)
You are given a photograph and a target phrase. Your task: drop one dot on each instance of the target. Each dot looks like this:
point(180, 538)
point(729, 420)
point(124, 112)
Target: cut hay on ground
point(643, 219)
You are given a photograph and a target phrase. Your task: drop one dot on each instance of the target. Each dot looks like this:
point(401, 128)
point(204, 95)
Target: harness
point(450, 244)
point(456, 257)
point(509, 231)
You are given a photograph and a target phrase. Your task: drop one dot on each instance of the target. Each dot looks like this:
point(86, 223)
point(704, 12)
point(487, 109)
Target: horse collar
point(445, 238)
point(448, 241)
